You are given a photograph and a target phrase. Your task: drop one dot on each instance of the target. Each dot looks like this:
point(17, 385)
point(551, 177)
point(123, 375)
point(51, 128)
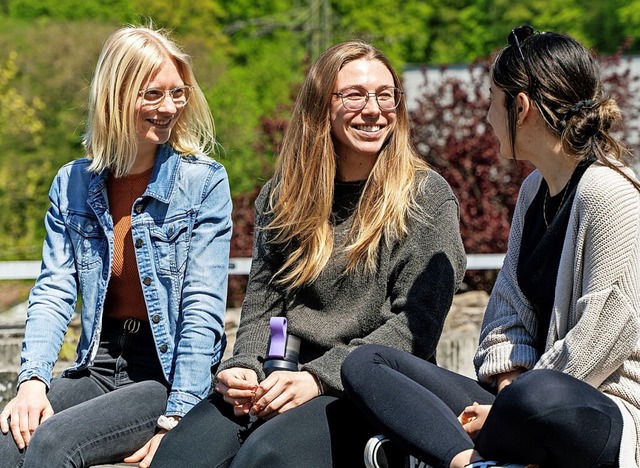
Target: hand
point(473, 418)
point(506, 378)
point(146, 453)
point(27, 411)
point(282, 391)
point(238, 387)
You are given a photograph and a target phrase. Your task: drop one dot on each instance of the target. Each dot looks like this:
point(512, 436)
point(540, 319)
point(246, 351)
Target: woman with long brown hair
point(356, 241)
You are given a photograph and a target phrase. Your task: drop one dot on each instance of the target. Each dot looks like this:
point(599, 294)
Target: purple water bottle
point(284, 348)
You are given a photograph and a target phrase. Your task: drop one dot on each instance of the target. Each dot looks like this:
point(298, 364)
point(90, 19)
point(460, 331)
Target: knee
point(49, 447)
point(358, 363)
point(539, 390)
point(259, 451)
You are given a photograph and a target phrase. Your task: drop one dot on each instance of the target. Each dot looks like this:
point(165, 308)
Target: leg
point(208, 436)
point(325, 431)
point(553, 419)
point(64, 393)
point(426, 400)
point(104, 429)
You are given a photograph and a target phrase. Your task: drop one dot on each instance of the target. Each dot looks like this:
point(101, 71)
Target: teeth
point(159, 122)
point(369, 128)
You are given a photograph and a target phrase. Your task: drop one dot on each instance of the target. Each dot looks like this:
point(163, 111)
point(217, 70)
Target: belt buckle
point(131, 326)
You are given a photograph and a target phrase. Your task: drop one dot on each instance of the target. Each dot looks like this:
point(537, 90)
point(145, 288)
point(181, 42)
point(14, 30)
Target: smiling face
point(154, 126)
point(359, 135)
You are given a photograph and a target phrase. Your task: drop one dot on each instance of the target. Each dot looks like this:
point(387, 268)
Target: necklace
point(544, 204)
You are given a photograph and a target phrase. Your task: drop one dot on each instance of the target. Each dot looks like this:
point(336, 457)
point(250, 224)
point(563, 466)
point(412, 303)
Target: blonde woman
point(357, 241)
point(141, 227)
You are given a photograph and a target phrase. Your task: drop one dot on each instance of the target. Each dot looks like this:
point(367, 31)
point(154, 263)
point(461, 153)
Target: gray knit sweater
point(594, 333)
point(403, 304)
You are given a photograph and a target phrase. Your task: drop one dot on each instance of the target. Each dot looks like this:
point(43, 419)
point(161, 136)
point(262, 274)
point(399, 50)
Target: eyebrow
point(363, 87)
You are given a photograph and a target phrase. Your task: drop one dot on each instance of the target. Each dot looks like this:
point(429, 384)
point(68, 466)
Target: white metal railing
point(237, 266)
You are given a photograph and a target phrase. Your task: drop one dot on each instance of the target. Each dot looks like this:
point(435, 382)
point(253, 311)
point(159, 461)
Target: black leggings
point(322, 432)
point(544, 417)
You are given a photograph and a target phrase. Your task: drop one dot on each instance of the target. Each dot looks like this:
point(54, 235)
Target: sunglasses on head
point(515, 38)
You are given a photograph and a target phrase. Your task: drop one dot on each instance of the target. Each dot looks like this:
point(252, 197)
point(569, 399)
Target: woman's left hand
point(146, 453)
point(282, 391)
point(473, 418)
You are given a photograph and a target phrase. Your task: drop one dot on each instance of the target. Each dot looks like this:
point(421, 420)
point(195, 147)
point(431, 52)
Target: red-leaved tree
point(450, 131)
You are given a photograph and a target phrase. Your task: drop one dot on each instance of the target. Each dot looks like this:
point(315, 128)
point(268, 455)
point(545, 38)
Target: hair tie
point(577, 107)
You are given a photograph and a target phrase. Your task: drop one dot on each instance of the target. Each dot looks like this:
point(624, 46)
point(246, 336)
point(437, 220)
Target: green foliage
point(249, 56)
point(19, 122)
point(71, 9)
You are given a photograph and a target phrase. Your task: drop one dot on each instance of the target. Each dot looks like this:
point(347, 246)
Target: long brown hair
point(302, 195)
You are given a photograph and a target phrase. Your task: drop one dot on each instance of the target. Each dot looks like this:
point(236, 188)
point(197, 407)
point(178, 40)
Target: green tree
point(19, 121)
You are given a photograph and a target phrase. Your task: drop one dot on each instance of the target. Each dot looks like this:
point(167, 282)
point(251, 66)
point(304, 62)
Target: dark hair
point(568, 93)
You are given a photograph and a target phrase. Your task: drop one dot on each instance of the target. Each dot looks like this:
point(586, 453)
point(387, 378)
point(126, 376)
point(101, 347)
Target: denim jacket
point(181, 229)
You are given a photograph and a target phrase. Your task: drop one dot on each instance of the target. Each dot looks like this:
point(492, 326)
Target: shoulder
point(603, 188)
point(530, 187)
point(75, 168)
point(431, 186)
point(74, 173)
point(262, 200)
point(198, 161)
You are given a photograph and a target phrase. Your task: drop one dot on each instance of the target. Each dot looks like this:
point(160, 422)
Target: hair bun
point(577, 107)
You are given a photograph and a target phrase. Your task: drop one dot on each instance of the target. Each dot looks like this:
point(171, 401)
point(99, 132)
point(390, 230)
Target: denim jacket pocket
point(89, 242)
point(170, 240)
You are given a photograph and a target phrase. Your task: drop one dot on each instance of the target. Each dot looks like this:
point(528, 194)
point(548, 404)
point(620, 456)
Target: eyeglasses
point(153, 98)
point(355, 98)
point(515, 37)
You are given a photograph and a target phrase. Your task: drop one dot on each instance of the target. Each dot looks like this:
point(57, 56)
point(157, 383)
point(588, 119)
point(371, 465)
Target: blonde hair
point(129, 58)
point(302, 196)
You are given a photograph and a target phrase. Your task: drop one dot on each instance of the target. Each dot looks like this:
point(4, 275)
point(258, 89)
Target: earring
point(519, 124)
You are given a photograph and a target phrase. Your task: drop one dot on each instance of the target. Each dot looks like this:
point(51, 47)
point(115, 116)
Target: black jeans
point(323, 432)
point(102, 414)
point(544, 417)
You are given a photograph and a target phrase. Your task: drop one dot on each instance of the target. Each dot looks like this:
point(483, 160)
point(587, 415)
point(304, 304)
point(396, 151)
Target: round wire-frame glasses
point(355, 98)
point(153, 98)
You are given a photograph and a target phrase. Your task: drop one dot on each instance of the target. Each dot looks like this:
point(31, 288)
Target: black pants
point(544, 417)
point(323, 432)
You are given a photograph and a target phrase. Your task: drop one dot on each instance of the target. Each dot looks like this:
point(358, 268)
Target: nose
point(372, 105)
point(167, 104)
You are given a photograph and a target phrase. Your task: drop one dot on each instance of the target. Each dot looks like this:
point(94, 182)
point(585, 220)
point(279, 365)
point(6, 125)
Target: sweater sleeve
point(262, 300)
point(509, 325)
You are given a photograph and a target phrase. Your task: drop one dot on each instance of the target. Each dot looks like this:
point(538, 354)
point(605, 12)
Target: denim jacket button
point(146, 281)
point(170, 231)
point(163, 348)
point(139, 243)
point(155, 318)
point(139, 208)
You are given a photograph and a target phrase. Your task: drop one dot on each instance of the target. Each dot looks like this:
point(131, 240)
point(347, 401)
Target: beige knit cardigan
point(594, 333)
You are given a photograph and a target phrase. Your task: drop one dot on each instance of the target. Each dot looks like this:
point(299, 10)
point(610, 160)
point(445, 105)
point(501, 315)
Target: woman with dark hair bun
point(558, 363)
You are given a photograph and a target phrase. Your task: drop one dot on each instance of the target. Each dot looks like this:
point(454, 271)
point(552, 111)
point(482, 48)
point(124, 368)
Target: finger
point(4, 420)
point(47, 413)
point(15, 429)
point(146, 463)
point(138, 454)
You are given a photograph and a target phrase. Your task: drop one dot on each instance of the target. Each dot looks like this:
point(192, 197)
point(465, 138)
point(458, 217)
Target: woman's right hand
point(26, 412)
point(238, 387)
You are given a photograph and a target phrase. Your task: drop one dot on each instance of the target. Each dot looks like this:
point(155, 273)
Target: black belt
point(130, 325)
